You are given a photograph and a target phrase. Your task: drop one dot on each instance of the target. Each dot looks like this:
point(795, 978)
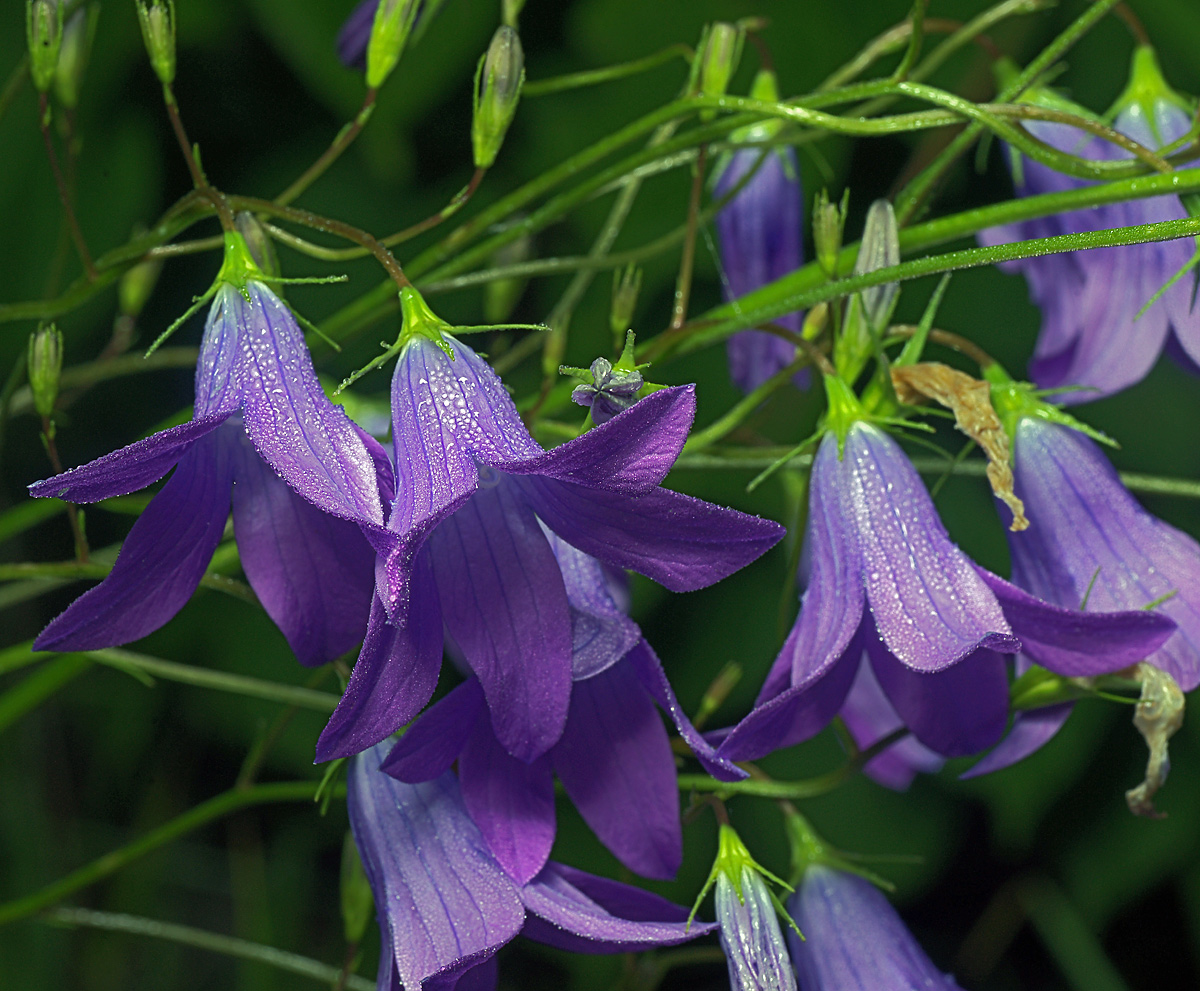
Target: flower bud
point(829, 219)
point(78, 34)
point(627, 283)
point(498, 82)
point(718, 57)
point(389, 34)
point(136, 285)
point(45, 367)
point(157, 20)
point(262, 248)
point(43, 32)
point(880, 249)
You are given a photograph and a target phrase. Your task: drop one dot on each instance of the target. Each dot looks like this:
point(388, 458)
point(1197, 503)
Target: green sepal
point(1014, 400)
point(809, 849)
point(1146, 88)
point(732, 857)
point(389, 34)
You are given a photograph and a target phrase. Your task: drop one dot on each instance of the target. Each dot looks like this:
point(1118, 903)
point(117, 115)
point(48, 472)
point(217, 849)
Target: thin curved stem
point(344, 138)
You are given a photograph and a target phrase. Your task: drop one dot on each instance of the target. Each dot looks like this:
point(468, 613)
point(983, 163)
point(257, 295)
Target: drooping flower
point(445, 904)
point(854, 940)
point(759, 234)
point(749, 924)
point(263, 433)
point(1091, 546)
point(885, 580)
point(614, 758)
point(1091, 334)
point(467, 550)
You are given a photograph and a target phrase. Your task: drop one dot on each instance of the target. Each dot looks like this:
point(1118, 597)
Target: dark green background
point(106, 758)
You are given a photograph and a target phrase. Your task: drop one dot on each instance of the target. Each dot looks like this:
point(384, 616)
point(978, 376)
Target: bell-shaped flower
point(1092, 335)
point(886, 582)
point(467, 555)
point(759, 235)
point(445, 904)
point(614, 758)
point(854, 939)
point(263, 433)
point(1091, 546)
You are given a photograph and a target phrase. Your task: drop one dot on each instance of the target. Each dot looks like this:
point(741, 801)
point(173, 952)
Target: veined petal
point(1031, 730)
point(1089, 540)
point(615, 762)
point(582, 913)
point(854, 940)
point(631, 453)
point(750, 936)
point(680, 542)
point(313, 573)
point(511, 801)
point(161, 562)
point(869, 717)
point(442, 899)
point(131, 468)
point(832, 606)
point(959, 710)
point(311, 443)
point(447, 416)
point(930, 606)
point(1075, 643)
point(650, 672)
point(393, 678)
point(504, 604)
point(431, 745)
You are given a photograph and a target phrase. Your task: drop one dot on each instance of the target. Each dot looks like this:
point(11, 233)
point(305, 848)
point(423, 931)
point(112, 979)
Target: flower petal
point(1079, 644)
point(443, 901)
point(680, 542)
point(505, 606)
point(929, 605)
point(161, 562)
point(632, 452)
point(131, 468)
point(1031, 730)
point(313, 573)
point(615, 762)
point(582, 913)
point(654, 679)
point(394, 676)
point(436, 737)
point(311, 443)
point(959, 710)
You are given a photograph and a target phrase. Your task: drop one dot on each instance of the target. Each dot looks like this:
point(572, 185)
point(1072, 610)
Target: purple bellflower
point(445, 904)
point(886, 582)
point(263, 433)
point(1091, 333)
point(759, 234)
point(613, 758)
point(467, 556)
point(1091, 546)
point(854, 940)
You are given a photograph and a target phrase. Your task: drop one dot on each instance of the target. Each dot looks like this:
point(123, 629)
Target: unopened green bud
point(880, 249)
point(262, 248)
point(43, 33)
point(45, 367)
point(627, 283)
point(389, 34)
point(718, 56)
point(157, 20)
point(498, 82)
point(136, 286)
point(78, 34)
point(829, 220)
point(357, 900)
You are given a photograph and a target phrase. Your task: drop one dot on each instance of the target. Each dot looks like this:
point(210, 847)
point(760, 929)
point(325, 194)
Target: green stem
point(912, 196)
point(200, 815)
point(39, 686)
point(86, 375)
point(590, 77)
point(752, 310)
point(344, 138)
point(202, 939)
point(222, 681)
point(701, 439)
point(26, 570)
